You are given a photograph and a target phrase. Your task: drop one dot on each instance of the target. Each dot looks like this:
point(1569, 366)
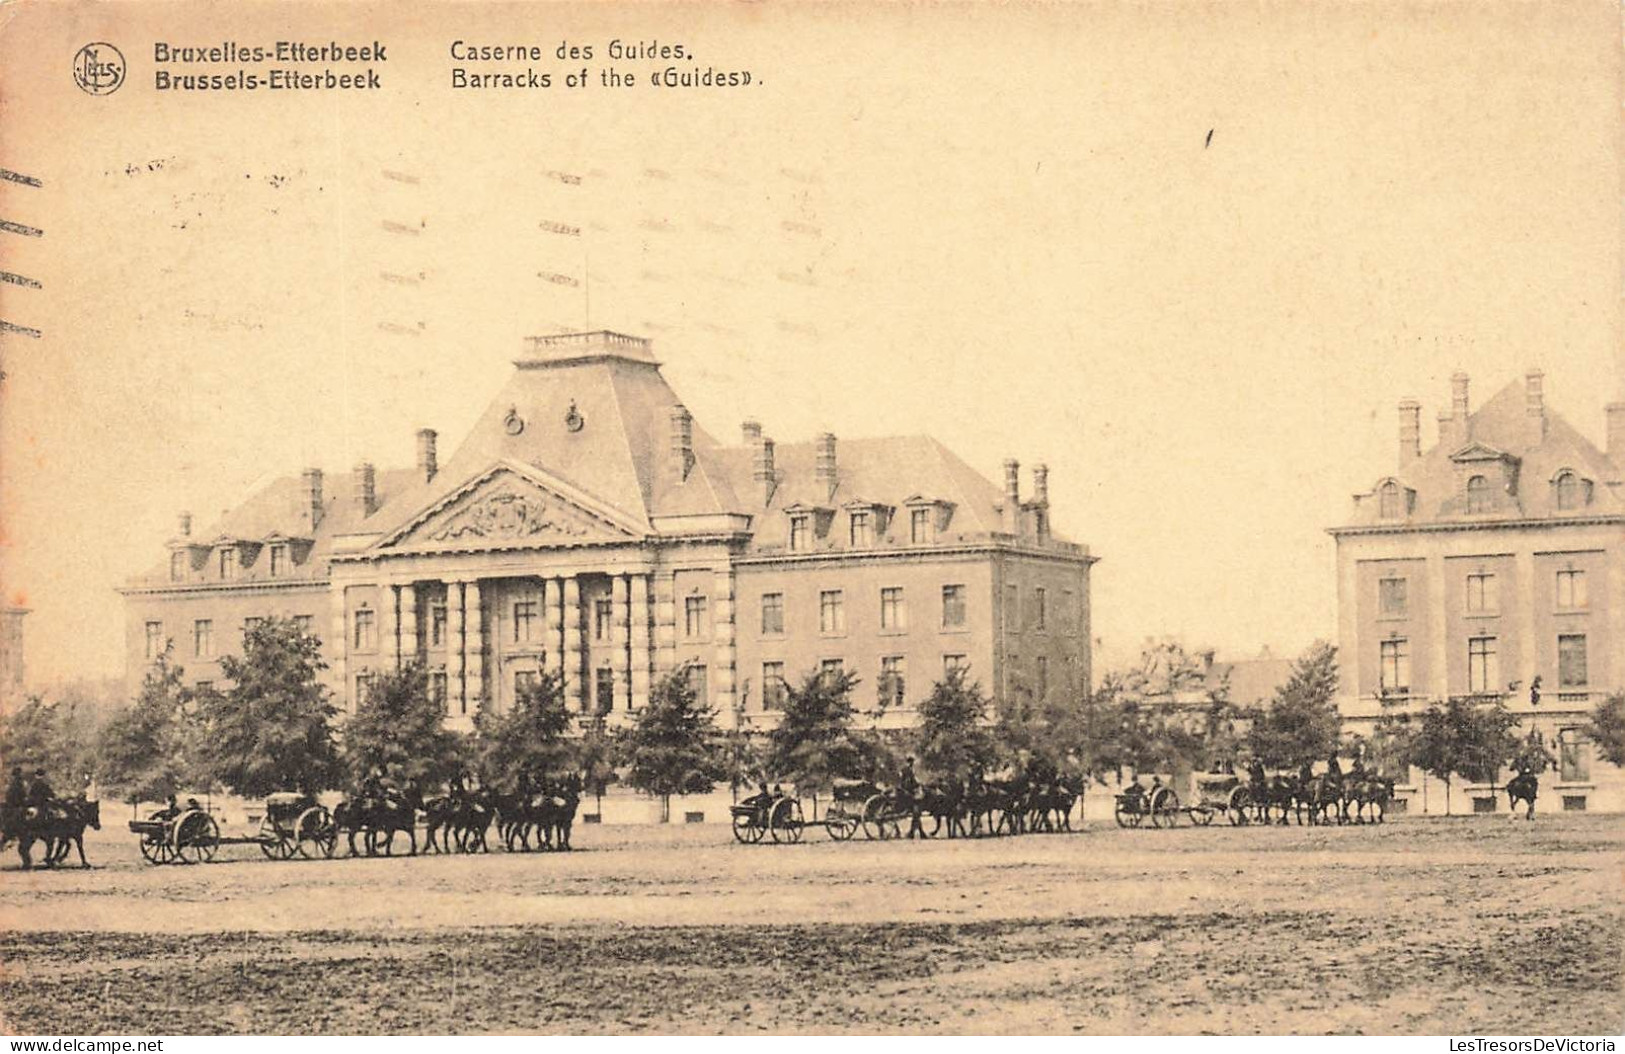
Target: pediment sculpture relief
point(506, 516)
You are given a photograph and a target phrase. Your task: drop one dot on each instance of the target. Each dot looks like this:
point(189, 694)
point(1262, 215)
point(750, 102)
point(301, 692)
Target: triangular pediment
point(1480, 452)
point(511, 505)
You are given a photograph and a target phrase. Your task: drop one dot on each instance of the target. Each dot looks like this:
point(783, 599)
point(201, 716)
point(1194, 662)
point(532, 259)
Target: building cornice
point(205, 588)
point(1475, 525)
point(913, 553)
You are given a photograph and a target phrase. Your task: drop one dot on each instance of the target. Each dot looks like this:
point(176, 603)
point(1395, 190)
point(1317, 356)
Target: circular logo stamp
point(98, 68)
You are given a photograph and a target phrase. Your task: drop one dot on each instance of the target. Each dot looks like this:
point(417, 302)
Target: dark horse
point(60, 825)
point(378, 820)
point(1523, 787)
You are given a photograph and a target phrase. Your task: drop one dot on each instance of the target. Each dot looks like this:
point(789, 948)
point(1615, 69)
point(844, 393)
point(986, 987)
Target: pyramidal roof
point(1519, 443)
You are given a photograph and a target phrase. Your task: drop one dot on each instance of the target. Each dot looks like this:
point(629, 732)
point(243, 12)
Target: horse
point(556, 814)
point(438, 813)
point(1318, 797)
point(472, 820)
point(1367, 790)
point(1523, 787)
point(378, 820)
point(70, 832)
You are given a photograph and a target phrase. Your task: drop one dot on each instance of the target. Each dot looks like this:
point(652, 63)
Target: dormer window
point(800, 532)
point(228, 562)
point(279, 560)
point(177, 565)
point(1478, 495)
point(1390, 501)
point(863, 530)
point(1570, 492)
point(919, 526)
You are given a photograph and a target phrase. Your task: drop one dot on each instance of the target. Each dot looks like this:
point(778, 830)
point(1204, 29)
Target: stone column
point(552, 625)
point(620, 641)
point(725, 681)
point(1438, 629)
point(339, 630)
point(474, 646)
point(575, 685)
point(1523, 568)
point(409, 624)
point(665, 623)
point(642, 653)
point(389, 644)
point(456, 652)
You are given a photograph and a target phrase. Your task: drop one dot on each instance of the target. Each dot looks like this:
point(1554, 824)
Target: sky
point(1191, 256)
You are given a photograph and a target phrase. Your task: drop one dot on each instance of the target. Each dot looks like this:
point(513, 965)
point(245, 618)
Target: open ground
point(1466, 926)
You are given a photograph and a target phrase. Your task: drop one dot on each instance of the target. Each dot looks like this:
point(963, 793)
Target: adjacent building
point(1492, 565)
point(590, 526)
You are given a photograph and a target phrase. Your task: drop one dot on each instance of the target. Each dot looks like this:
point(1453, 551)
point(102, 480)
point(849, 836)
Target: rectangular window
point(1395, 673)
point(1482, 595)
point(773, 688)
point(1012, 609)
point(953, 607)
point(279, 560)
point(1571, 661)
point(1571, 589)
point(1573, 756)
point(893, 611)
point(155, 639)
point(366, 631)
point(893, 680)
point(919, 526)
point(863, 530)
point(1043, 676)
point(694, 609)
point(772, 613)
point(1483, 669)
point(604, 689)
point(831, 612)
point(1040, 608)
point(205, 686)
point(952, 663)
point(800, 533)
point(228, 563)
point(203, 638)
point(1393, 600)
point(304, 624)
point(437, 687)
point(603, 617)
point(363, 687)
point(177, 566)
point(251, 624)
point(700, 682)
point(437, 624)
point(524, 620)
point(831, 668)
point(523, 681)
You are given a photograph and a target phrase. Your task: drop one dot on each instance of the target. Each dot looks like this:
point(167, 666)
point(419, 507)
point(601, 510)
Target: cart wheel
point(877, 825)
point(154, 850)
point(743, 822)
point(316, 834)
point(196, 838)
point(1240, 804)
point(1124, 816)
point(1165, 809)
point(841, 827)
point(784, 821)
point(269, 837)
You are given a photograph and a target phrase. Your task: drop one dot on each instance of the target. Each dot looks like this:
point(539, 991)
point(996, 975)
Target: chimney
point(186, 525)
point(764, 472)
point(366, 488)
point(1534, 405)
point(1041, 501)
point(1012, 496)
point(751, 430)
point(428, 462)
point(1410, 432)
point(1458, 395)
point(313, 496)
point(824, 468)
point(1616, 433)
point(682, 440)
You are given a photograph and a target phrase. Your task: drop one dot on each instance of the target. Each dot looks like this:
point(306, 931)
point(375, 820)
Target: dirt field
point(1427, 926)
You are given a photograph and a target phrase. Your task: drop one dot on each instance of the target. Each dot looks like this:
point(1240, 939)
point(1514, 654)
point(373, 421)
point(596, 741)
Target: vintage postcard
point(812, 518)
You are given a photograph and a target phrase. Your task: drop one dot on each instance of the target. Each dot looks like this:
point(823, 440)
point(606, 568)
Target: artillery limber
point(294, 824)
point(1159, 804)
point(858, 805)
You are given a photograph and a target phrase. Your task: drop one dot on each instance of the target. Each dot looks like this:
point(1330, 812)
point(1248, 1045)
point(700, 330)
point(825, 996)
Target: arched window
point(1478, 494)
point(1568, 491)
point(1391, 507)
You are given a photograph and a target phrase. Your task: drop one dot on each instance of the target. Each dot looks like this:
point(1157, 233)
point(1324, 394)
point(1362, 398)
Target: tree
point(149, 750)
point(271, 729)
point(594, 757)
point(400, 727)
point(38, 734)
point(741, 760)
point(668, 749)
point(1301, 721)
point(813, 744)
point(1464, 737)
point(1608, 728)
point(953, 734)
point(529, 737)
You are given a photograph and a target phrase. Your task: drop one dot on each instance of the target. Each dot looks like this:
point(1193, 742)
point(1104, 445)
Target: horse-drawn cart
point(858, 805)
point(1220, 792)
point(294, 824)
point(1159, 804)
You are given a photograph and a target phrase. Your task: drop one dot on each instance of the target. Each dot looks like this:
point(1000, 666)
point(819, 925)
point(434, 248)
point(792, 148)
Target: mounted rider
point(908, 789)
point(1334, 770)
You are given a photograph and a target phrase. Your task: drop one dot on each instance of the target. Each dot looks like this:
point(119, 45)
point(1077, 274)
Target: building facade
point(1492, 565)
point(589, 526)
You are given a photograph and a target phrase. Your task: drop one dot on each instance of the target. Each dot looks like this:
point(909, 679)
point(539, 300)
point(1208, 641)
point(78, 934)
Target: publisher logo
point(98, 69)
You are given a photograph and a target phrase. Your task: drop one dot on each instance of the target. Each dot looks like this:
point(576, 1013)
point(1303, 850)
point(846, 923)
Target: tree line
point(275, 727)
